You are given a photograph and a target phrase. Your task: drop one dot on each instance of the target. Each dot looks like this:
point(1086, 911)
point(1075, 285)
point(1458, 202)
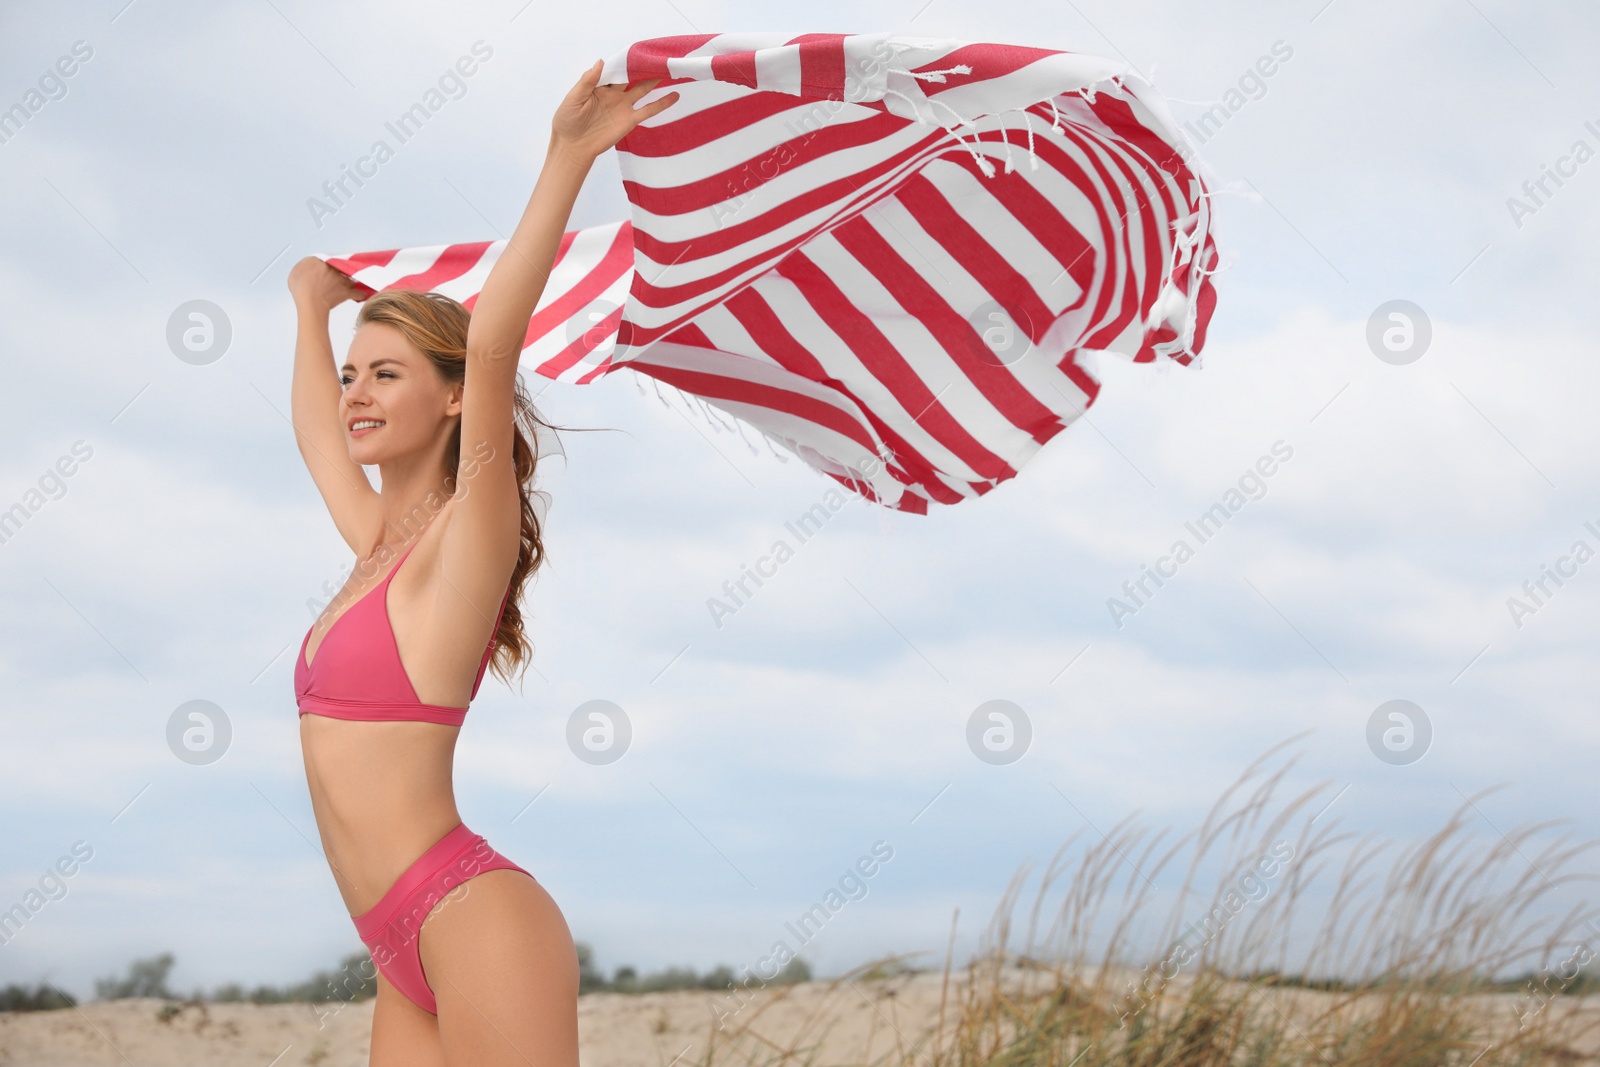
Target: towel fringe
point(932, 75)
point(982, 160)
point(768, 439)
point(1087, 92)
point(1055, 117)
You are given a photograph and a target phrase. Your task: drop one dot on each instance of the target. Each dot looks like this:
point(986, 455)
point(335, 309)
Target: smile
point(361, 425)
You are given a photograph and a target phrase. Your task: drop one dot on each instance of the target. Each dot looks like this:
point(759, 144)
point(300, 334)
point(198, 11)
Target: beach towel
point(896, 257)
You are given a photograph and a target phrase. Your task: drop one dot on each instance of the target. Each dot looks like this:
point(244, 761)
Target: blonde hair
point(437, 326)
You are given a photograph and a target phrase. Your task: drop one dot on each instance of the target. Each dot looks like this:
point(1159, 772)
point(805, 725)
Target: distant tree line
point(356, 979)
point(628, 980)
point(41, 997)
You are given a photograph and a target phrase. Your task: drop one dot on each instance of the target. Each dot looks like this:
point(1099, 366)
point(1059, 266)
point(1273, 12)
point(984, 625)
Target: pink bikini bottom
point(391, 927)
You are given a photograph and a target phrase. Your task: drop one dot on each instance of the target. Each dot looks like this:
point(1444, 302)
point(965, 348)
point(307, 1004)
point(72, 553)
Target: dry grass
point(1411, 958)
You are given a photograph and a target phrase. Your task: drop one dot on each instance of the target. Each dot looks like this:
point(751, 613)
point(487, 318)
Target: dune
point(1430, 936)
point(843, 1021)
point(615, 1029)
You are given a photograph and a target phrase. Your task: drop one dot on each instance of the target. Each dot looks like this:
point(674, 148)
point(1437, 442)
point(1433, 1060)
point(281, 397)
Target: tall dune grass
point(1307, 946)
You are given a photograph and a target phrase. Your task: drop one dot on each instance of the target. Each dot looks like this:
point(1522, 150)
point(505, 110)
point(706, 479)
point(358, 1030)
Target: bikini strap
point(396, 568)
point(494, 641)
point(504, 600)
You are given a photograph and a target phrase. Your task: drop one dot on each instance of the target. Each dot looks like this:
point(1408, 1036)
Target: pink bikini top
point(357, 673)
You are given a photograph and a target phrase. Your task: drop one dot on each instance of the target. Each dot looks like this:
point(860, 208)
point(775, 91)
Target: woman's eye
point(386, 374)
point(344, 379)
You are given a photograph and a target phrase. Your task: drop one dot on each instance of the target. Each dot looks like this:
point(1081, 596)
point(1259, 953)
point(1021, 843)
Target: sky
point(1393, 155)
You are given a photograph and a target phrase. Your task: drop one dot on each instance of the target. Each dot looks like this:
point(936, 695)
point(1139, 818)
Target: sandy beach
point(616, 1029)
point(841, 1022)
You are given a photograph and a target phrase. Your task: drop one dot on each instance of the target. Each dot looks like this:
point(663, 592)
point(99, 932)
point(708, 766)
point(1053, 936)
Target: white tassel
point(1033, 159)
point(768, 439)
point(1055, 117)
point(981, 159)
point(712, 415)
point(915, 110)
point(932, 75)
point(698, 408)
point(1005, 139)
point(738, 425)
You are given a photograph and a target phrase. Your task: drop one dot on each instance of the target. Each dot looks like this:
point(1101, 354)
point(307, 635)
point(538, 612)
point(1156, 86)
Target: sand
point(851, 1022)
point(635, 1030)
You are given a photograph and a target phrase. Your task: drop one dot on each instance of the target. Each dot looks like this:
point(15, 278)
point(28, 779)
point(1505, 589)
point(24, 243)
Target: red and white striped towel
point(895, 256)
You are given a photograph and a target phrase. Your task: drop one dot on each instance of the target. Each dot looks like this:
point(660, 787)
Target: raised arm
point(591, 119)
point(480, 547)
point(314, 403)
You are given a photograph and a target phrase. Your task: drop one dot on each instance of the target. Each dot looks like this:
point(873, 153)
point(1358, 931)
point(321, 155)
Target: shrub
point(42, 997)
point(1391, 967)
point(145, 978)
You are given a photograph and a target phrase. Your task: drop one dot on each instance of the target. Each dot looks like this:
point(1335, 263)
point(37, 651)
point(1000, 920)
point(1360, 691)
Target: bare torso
point(383, 792)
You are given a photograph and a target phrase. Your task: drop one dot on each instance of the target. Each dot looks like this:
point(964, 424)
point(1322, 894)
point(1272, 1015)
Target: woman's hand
point(317, 286)
point(593, 117)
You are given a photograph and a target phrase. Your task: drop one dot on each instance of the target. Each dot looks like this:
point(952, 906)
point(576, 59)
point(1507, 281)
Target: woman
point(429, 393)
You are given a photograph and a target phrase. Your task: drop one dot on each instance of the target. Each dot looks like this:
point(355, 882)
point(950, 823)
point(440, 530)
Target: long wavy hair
point(437, 326)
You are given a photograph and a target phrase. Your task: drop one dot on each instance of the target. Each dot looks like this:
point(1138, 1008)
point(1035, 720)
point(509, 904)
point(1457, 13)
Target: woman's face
point(394, 403)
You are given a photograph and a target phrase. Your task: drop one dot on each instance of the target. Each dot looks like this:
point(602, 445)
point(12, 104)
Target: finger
point(639, 89)
point(586, 81)
point(655, 107)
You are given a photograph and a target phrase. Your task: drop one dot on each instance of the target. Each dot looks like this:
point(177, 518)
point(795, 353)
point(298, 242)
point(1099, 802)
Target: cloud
point(831, 707)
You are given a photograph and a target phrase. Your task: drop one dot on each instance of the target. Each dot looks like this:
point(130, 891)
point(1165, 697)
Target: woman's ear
point(453, 401)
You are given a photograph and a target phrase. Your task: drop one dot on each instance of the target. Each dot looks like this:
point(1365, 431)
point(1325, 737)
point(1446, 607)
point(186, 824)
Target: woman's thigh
point(403, 1035)
point(502, 965)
